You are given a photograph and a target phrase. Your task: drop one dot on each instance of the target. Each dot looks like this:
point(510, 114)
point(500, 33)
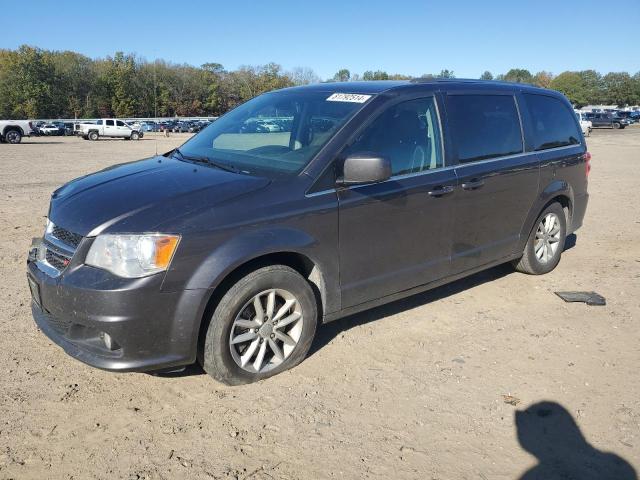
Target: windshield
point(276, 133)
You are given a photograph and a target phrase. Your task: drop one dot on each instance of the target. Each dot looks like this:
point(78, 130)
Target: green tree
point(573, 86)
point(543, 79)
point(619, 89)
point(446, 74)
point(26, 84)
point(518, 75)
point(342, 75)
point(487, 75)
point(377, 75)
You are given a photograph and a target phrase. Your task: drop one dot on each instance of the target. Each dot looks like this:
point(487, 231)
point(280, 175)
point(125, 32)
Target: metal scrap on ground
point(590, 298)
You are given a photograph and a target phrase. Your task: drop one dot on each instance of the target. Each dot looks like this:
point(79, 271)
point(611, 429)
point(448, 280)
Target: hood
point(154, 190)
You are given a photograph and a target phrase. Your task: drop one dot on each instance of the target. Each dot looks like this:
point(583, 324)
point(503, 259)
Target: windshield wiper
point(208, 161)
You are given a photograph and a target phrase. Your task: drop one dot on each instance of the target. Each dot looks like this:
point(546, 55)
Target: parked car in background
point(609, 120)
point(585, 124)
point(109, 128)
point(149, 126)
point(12, 131)
point(629, 116)
point(50, 129)
point(233, 248)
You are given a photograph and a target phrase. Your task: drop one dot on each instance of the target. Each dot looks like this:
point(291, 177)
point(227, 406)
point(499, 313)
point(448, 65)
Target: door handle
point(473, 184)
point(440, 191)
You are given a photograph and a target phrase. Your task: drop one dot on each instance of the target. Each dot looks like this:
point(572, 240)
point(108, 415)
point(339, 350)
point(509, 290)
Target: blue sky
point(411, 37)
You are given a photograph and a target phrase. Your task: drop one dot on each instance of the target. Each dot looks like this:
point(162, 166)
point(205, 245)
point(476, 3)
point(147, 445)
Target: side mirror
point(365, 167)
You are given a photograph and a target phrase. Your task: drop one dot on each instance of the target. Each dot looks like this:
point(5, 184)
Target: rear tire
point(545, 244)
point(93, 136)
point(135, 136)
point(254, 359)
point(13, 136)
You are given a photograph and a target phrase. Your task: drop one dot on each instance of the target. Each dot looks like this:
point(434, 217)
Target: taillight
point(30, 125)
point(587, 163)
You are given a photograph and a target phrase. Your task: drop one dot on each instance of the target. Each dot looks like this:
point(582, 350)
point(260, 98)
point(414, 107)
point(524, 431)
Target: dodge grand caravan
point(233, 248)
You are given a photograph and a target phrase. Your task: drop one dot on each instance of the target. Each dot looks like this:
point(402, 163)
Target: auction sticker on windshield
point(348, 97)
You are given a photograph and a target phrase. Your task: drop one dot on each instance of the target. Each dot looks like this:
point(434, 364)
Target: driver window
point(408, 134)
point(119, 123)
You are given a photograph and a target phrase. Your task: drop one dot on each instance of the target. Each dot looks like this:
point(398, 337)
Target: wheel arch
point(557, 191)
point(296, 260)
point(10, 128)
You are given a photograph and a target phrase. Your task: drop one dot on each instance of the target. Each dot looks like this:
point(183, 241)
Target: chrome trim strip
point(56, 242)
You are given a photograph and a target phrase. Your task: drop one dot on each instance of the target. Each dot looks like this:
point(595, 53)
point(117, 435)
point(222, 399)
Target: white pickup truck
point(107, 127)
point(12, 131)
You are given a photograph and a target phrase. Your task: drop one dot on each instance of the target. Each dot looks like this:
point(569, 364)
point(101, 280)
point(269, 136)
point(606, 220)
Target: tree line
point(586, 87)
point(38, 83)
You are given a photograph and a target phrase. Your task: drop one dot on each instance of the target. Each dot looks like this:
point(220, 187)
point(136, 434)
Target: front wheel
point(135, 136)
point(546, 242)
point(13, 136)
point(616, 125)
point(262, 326)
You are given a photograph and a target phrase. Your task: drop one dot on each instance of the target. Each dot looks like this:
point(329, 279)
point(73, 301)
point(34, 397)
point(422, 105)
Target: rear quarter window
point(553, 124)
point(484, 126)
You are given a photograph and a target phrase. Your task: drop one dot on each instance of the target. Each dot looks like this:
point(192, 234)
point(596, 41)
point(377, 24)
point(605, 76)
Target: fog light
point(109, 342)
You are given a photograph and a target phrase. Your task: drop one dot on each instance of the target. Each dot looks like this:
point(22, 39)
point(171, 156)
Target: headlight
point(132, 256)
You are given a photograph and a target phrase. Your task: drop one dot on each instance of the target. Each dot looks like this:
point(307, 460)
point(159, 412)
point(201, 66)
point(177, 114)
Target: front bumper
point(147, 329)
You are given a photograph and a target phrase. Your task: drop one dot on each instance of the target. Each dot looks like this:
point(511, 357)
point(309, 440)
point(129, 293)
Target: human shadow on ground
point(548, 432)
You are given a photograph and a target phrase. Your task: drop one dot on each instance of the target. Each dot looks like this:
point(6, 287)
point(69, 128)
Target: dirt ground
point(415, 389)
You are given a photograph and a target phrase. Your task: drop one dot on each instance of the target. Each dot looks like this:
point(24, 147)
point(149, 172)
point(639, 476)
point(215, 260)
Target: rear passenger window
point(553, 124)
point(408, 134)
point(109, 123)
point(484, 126)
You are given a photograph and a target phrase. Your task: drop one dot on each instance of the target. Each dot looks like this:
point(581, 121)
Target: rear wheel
point(13, 136)
point(262, 326)
point(93, 136)
point(135, 136)
point(546, 242)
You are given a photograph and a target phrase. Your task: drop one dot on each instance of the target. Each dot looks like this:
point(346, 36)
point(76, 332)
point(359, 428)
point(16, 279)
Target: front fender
point(245, 247)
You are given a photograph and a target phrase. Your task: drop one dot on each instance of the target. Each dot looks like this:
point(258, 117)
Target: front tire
point(262, 326)
point(545, 244)
point(135, 136)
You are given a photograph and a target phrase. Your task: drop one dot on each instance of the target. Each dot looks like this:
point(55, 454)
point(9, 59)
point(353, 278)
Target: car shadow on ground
point(328, 332)
point(547, 431)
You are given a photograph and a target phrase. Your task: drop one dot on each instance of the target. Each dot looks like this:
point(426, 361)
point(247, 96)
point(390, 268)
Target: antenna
point(155, 103)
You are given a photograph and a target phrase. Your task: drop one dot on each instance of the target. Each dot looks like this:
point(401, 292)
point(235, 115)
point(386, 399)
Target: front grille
point(57, 260)
point(65, 236)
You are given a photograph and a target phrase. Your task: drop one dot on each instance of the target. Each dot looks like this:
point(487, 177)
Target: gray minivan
point(232, 249)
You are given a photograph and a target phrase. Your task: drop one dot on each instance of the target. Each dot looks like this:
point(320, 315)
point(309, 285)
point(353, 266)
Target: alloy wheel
point(266, 330)
point(547, 238)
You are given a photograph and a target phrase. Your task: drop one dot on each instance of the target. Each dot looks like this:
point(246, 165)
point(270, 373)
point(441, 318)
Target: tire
point(135, 136)
point(531, 261)
point(93, 136)
point(13, 136)
point(222, 360)
point(616, 125)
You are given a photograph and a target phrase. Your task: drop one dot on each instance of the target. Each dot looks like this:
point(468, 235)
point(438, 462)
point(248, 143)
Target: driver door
point(396, 235)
